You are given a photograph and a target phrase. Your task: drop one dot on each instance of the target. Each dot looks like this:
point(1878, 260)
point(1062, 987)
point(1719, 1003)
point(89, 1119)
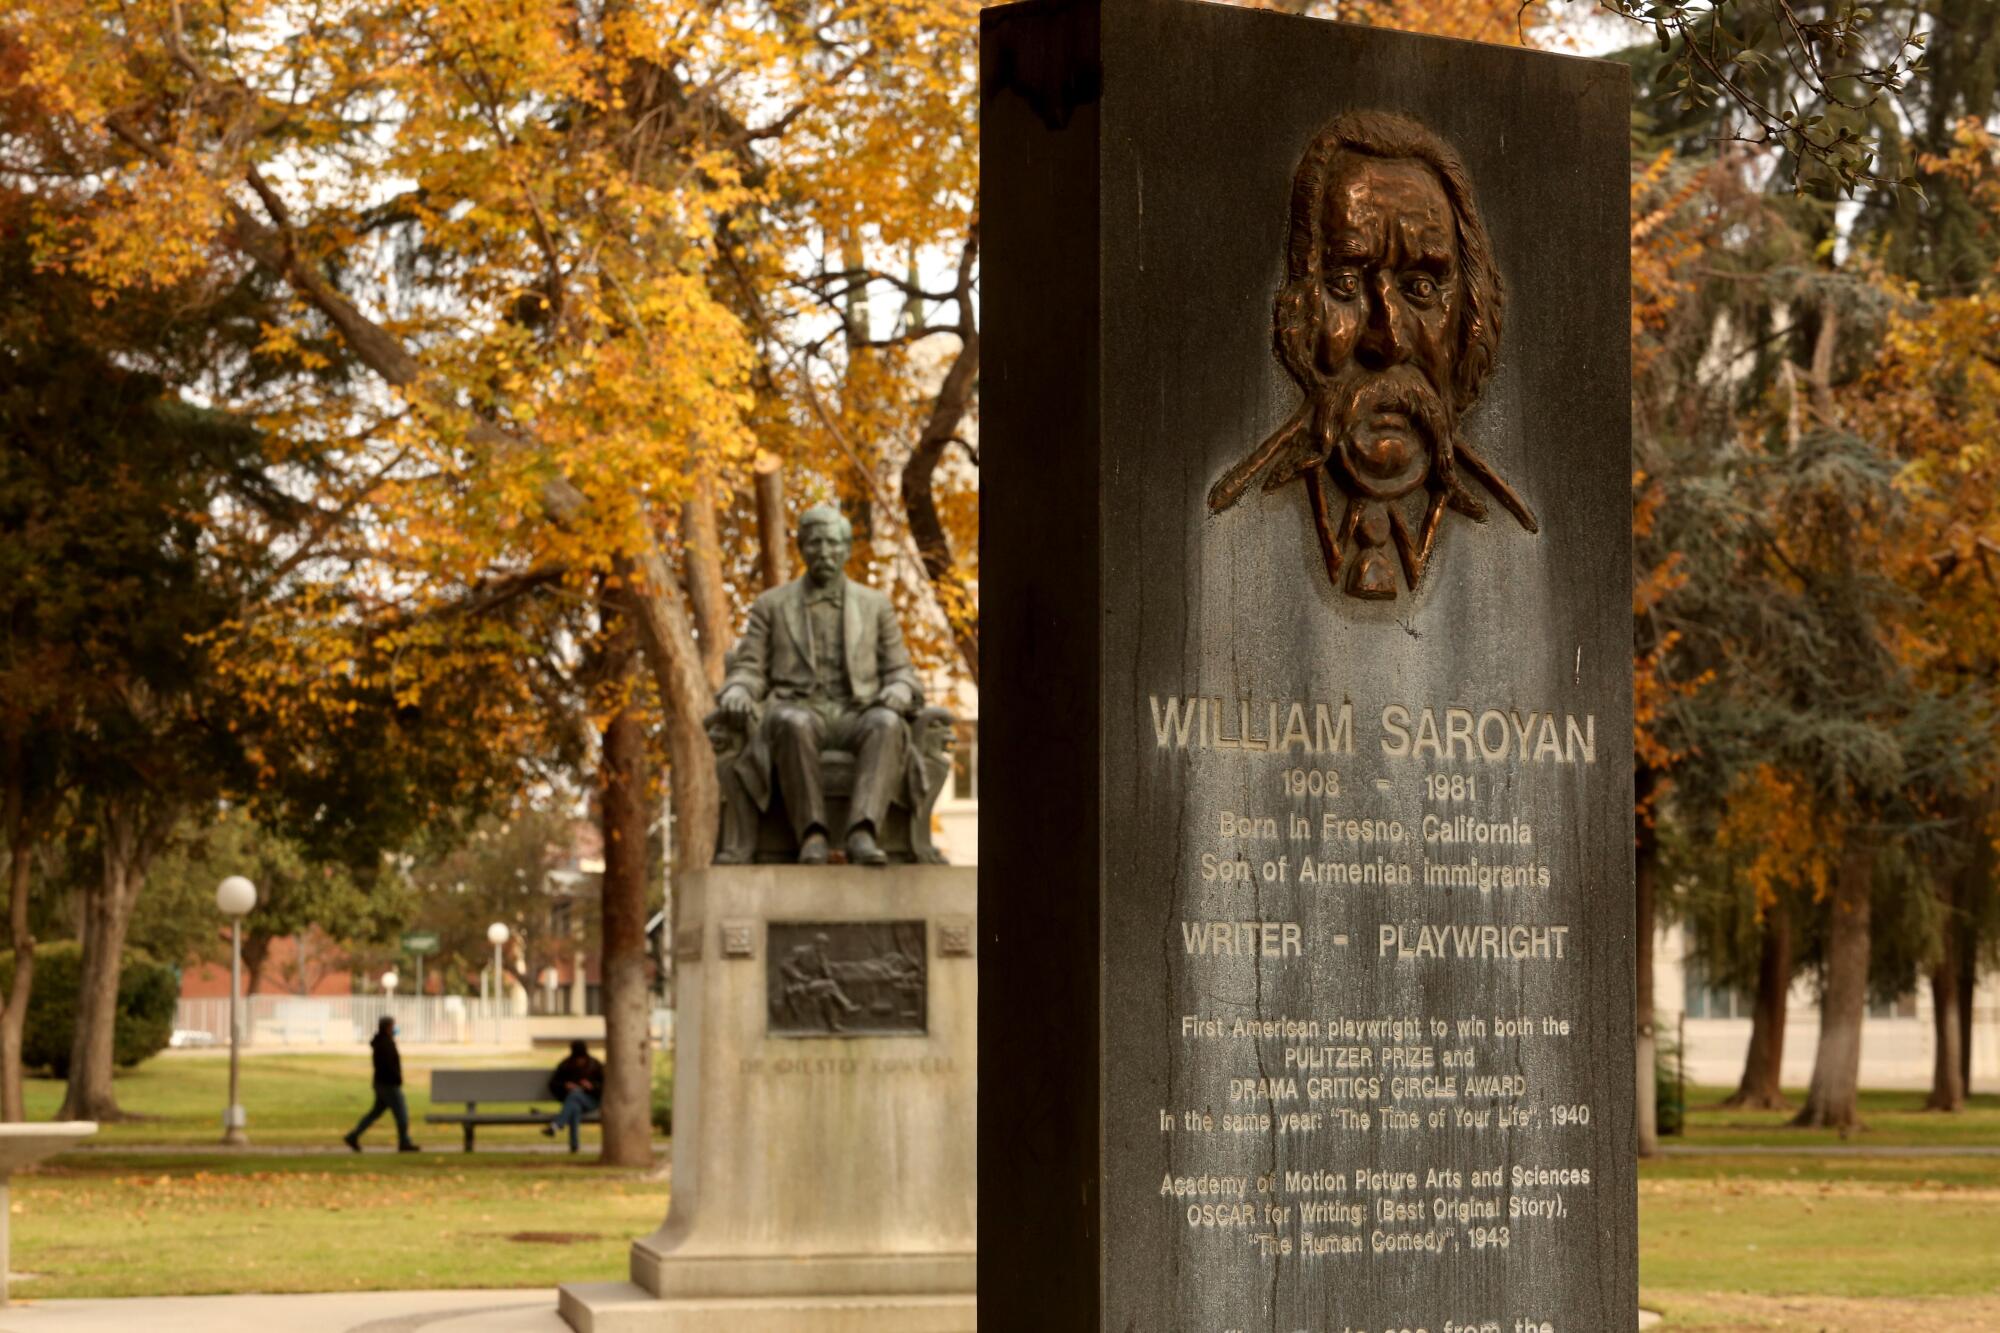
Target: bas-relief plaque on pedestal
point(1326, 917)
point(846, 978)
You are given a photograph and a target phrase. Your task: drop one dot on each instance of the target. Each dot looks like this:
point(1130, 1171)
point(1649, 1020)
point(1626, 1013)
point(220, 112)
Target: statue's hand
point(736, 705)
point(898, 698)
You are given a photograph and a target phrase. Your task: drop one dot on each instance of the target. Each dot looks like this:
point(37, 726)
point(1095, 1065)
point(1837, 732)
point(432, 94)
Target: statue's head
point(825, 538)
point(1388, 320)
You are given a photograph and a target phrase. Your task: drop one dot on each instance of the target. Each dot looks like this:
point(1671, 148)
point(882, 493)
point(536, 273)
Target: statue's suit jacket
point(774, 658)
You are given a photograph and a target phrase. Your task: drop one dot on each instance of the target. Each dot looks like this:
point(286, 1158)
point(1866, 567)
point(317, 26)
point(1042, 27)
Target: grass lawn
point(291, 1100)
point(1728, 1244)
point(149, 1225)
point(1893, 1119)
point(1888, 1227)
point(131, 1222)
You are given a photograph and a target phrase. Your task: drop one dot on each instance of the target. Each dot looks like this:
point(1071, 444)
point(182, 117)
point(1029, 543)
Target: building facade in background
point(1898, 1042)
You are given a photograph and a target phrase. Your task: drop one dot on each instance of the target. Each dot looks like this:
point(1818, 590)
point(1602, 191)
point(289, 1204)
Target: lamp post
point(235, 896)
point(389, 983)
point(496, 935)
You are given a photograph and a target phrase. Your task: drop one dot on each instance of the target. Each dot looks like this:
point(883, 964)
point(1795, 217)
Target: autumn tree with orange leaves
point(538, 271)
point(1670, 223)
point(1934, 392)
point(1818, 416)
point(531, 253)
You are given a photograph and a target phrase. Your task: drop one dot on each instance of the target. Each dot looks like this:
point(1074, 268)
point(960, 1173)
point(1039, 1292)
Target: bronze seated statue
point(820, 730)
point(756, 829)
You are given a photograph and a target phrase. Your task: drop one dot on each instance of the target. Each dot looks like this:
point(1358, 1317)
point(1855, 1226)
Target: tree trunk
point(256, 953)
point(14, 1018)
point(1976, 884)
point(1644, 874)
point(1833, 1099)
point(774, 536)
point(940, 431)
point(1968, 986)
point(1949, 1039)
point(1762, 1087)
point(667, 637)
point(628, 1067)
point(1948, 1064)
point(701, 543)
point(107, 911)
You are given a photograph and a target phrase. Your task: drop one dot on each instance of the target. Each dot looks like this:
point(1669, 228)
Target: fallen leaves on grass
point(1735, 1312)
point(203, 1191)
point(1741, 1188)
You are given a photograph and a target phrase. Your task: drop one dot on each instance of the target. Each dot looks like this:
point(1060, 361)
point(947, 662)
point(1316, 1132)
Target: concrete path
point(343, 1312)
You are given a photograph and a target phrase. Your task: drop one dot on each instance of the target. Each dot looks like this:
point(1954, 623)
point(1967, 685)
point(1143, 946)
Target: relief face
point(1389, 322)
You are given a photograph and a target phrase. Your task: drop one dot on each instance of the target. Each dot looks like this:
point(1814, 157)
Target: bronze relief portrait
point(1389, 322)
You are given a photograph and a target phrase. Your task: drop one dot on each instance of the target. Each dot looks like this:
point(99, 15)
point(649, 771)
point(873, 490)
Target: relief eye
point(1420, 286)
point(1344, 283)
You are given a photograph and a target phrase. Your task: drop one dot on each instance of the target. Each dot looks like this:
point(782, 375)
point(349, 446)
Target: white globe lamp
point(235, 896)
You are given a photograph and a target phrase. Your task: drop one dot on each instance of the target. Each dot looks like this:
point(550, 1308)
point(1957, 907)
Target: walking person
point(579, 1081)
point(388, 1090)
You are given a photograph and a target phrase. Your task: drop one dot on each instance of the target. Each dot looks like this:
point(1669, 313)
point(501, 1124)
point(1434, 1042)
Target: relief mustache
point(1331, 405)
point(1401, 390)
point(1353, 395)
point(1328, 405)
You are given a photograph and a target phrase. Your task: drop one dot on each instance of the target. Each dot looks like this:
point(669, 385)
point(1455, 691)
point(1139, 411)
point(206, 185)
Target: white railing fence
point(273, 1021)
point(345, 1020)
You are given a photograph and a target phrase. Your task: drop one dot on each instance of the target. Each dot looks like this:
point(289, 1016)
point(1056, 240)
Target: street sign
point(420, 942)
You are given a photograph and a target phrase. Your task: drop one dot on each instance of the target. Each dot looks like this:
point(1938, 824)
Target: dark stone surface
point(846, 978)
point(1138, 161)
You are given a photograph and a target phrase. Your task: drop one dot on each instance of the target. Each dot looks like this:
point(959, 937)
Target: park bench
point(477, 1087)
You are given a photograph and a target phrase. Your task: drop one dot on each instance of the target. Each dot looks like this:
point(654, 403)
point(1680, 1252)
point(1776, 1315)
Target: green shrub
point(1669, 1099)
point(147, 992)
point(663, 1094)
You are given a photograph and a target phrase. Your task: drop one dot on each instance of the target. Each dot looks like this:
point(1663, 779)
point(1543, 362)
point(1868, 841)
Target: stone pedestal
point(824, 1117)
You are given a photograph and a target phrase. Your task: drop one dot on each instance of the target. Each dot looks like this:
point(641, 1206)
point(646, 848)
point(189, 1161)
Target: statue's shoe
point(863, 851)
point(813, 851)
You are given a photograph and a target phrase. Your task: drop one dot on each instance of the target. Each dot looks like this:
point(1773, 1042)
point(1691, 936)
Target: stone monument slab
point(1306, 802)
point(824, 1111)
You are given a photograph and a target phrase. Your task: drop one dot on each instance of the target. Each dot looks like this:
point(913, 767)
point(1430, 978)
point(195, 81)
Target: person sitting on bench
point(579, 1081)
